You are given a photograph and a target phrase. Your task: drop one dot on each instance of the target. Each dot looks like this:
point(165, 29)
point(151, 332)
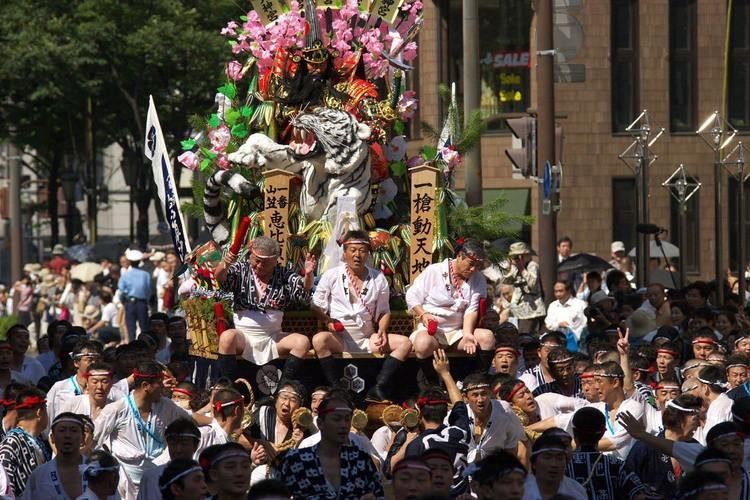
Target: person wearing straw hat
point(60, 478)
point(263, 289)
point(22, 449)
point(527, 303)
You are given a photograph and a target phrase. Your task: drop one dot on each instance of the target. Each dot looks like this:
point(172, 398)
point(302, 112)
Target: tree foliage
point(59, 55)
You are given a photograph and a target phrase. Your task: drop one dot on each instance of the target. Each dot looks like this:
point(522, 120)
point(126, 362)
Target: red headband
point(586, 375)
point(702, 340)
point(218, 405)
point(430, 402)
point(6, 345)
point(31, 402)
point(516, 389)
point(7, 402)
point(668, 351)
point(507, 349)
point(183, 391)
point(138, 374)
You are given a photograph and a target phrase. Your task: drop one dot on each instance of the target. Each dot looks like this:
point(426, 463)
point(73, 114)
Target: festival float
point(308, 141)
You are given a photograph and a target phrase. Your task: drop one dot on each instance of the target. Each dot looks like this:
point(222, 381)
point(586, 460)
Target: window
point(682, 65)
point(690, 255)
point(738, 105)
point(734, 221)
point(505, 60)
point(624, 59)
point(623, 211)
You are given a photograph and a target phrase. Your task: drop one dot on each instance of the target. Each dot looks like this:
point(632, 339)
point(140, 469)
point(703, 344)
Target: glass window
point(691, 253)
point(734, 221)
point(738, 105)
point(682, 65)
point(624, 57)
point(623, 211)
point(505, 60)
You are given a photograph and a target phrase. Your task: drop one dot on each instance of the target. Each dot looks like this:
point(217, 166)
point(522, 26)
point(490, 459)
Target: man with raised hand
point(349, 299)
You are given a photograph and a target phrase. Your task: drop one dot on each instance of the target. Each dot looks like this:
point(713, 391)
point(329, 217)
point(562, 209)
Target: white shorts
point(262, 330)
point(354, 340)
point(445, 337)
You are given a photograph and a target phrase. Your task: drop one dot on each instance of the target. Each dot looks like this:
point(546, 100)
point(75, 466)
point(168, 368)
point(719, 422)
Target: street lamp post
point(682, 188)
point(734, 162)
point(717, 133)
point(638, 157)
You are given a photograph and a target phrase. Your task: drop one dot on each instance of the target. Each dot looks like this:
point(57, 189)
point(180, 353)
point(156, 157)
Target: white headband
point(701, 489)
point(182, 474)
point(183, 435)
point(227, 456)
point(69, 420)
point(672, 404)
point(477, 386)
point(722, 385)
point(94, 468)
point(545, 450)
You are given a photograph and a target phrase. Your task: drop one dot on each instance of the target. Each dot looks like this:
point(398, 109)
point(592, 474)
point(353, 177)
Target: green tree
point(62, 59)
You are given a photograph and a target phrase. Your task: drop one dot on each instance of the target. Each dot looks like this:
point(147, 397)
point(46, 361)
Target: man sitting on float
point(349, 298)
point(445, 299)
point(262, 289)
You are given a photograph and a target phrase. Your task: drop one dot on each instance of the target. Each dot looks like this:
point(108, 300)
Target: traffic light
point(523, 153)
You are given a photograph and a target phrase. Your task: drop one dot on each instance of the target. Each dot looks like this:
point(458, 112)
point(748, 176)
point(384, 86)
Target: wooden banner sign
point(423, 194)
point(268, 10)
point(276, 190)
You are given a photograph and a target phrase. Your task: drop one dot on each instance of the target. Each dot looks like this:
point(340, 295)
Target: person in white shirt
point(85, 353)
point(98, 392)
point(228, 411)
point(349, 298)
point(60, 478)
point(549, 458)
point(27, 369)
point(566, 313)
point(101, 474)
point(133, 427)
point(445, 299)
point(711, 387)
point(609, 383)
point(182, 438)
point(492, 423)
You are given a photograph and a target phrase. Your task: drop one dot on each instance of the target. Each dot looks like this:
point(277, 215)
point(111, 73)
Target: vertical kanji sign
point(423, 205)
point(276, 207)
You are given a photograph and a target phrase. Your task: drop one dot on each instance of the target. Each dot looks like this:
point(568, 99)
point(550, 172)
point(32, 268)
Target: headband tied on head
point(736, 365)
point(475, 386)
point(290, 391)
point(67, 419)
point(356, 242)
point(675, 406)
point(218, 405)
point(516, 389)
point(508, 349)
point(195, 468)
point(333, 409)
point(184, 392)
point(548, 449)
point(586, 375)
point(716, 383)
point(93, 469)
point(560, 361)
point(97, 373)
point(702, 489)
point(410, 465)
point(607, 375)
point(152, 376)
point(704, 341)
point(5, 345)
point(425, 401)
point(664, 350)
point(228, 455)
point(264, 257)
point(31, 403)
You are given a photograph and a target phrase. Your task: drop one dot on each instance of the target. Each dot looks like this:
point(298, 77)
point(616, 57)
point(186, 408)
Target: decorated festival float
point(308, 141)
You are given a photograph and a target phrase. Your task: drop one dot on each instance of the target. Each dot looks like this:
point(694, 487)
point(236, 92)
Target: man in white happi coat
point(182, 438)
point(98, 392)
point(349, 299)
point(447, 296)
point(262, 289)
point(60, 478)
point(133, 427)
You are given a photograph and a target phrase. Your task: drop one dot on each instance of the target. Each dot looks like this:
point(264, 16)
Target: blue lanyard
point(76, 386)
point(606, 419)
point(156, 443)
point(747, 390)
point(35, 443)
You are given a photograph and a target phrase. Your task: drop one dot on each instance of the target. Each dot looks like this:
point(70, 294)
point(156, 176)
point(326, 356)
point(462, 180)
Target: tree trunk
point(52, 184)
point(142, 200)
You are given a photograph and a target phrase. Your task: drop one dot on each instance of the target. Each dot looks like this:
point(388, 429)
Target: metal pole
point(683, 241)
point(642, 247)
point(546, 140)
point(741, 257)
point(473, 158)
point(91, 174)
point(14, 212)
point(718, 234)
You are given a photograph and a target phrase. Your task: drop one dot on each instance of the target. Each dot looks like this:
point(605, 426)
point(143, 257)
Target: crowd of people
point(605, 392)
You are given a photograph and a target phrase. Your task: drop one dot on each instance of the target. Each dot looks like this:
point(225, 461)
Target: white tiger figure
point(214, 210)
point(329, 148)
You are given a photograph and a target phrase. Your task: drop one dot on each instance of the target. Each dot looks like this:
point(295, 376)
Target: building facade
point(615, 58)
